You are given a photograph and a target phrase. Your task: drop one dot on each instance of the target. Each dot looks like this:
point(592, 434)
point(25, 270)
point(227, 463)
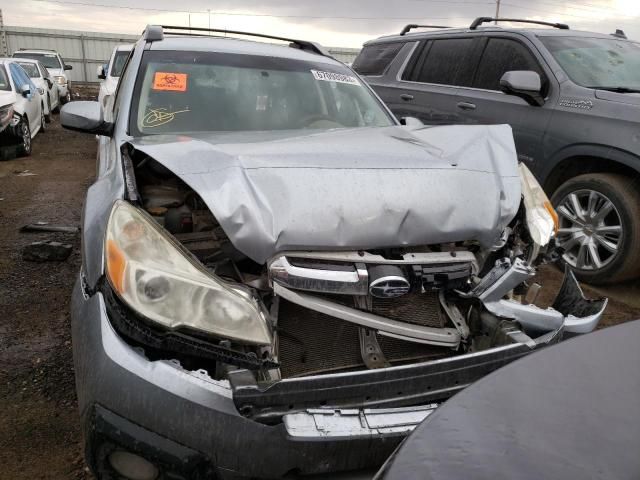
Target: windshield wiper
point(617, 89)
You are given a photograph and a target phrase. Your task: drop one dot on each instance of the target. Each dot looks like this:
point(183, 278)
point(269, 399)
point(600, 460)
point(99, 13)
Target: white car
point(21, 107)
point(45, 83)
point(56, 66)
point(110, 73)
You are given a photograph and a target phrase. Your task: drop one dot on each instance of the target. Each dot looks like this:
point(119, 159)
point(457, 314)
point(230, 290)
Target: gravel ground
point(39, 432)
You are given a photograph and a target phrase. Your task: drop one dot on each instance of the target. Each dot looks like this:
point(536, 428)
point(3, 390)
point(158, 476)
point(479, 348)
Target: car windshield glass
point(31, 69)
point(597, 62)
point(49, 60)
point(203, 91)
point(4, 80)
point(118, 62)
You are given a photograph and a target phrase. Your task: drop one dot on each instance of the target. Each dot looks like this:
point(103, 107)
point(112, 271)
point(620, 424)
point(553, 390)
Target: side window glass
point(503, 55)
point(111, 109)
point(374, 59)
point(449, 62)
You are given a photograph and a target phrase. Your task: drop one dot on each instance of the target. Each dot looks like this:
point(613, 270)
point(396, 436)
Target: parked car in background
point(21, 107)
point(268, 252)
point(47, 86)
point(572, 99)
point(56, 66)
point(110, 72)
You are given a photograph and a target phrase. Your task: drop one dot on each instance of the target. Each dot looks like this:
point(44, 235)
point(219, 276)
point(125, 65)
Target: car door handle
point(466, 106)
point(406, 97)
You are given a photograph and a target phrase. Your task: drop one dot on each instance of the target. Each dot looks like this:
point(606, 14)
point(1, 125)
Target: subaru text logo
point(389, 287)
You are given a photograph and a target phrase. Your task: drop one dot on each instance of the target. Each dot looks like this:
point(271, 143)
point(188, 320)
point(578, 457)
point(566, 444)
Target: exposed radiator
point(314, 343)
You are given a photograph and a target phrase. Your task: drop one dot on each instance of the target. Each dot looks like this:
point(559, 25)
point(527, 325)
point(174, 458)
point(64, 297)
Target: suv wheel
point(24, 147)
point(600, 227)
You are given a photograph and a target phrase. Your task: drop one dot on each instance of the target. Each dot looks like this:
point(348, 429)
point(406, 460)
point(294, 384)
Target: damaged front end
point(329, 343)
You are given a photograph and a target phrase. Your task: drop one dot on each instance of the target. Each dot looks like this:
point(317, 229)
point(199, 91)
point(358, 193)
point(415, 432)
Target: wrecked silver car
point(278, 277)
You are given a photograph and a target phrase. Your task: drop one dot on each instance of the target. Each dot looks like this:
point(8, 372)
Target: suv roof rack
point(154, 33)
point(411, 26)
point(619, 34)
point(480, 20)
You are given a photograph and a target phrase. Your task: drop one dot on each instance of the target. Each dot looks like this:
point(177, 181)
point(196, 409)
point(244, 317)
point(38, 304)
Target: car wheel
point(43, 120)
point(600, 227)
point(66, 98)
point(47, 116)
point(24, 147)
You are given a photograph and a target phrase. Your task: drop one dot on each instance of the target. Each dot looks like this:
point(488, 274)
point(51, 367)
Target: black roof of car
point(569, 411)
point(538, 32)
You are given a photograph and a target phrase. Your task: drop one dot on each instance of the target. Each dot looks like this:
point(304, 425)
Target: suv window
point(49, 60)
point(448, 62)
point(374, 59)
point(503, 55)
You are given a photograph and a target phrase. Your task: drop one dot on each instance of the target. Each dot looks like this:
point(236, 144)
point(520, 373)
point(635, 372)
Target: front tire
point(24, 148)
point(47, 116)
point(43, 120)
point(600, 226)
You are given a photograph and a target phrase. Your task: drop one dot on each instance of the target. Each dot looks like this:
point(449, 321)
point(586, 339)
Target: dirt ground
point(39, 432)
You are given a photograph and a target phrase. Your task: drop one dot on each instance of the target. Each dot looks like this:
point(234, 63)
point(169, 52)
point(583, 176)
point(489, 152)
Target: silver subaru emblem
point(389, 287)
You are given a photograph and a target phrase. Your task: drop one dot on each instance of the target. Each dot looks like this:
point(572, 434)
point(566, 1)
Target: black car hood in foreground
point(349, 189)
point(568, 412)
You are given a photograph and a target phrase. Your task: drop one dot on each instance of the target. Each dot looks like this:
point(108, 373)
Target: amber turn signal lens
point(554, 215)
point(116, 265)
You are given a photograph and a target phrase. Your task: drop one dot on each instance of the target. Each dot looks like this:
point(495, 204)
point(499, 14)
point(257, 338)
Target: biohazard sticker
point(335, 77)
point(170, 82)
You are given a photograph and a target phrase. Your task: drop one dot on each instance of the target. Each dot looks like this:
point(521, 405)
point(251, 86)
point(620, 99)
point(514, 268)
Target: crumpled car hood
point(349, 189)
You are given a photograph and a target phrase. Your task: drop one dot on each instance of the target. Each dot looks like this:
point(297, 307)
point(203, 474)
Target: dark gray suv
point(573, 101)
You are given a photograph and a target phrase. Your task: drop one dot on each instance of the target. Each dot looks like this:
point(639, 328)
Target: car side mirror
point(525, 84)
point(85, 117)
point(412, 122)
point(25, 90)
point(68, 67)
point(102, 74)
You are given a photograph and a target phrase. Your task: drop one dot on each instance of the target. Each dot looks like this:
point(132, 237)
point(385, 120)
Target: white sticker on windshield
point(335, 77)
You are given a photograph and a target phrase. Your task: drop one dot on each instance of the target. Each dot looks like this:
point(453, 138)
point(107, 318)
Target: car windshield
point(49, 60)
point(4, 80)
point(118, 63)
point(598, 62)
point(31, 69)
point(202, 91)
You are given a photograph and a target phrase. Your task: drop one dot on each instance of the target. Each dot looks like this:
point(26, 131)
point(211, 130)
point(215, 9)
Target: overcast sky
point(340, 23)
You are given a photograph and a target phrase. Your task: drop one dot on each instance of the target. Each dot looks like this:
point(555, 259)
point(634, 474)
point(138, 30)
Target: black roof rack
point(155, 33)
point(480, 20)
point(411, 26)
point(619, 34)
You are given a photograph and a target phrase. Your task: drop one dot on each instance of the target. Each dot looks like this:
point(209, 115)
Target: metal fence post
point(84, 60)
point(4, 50)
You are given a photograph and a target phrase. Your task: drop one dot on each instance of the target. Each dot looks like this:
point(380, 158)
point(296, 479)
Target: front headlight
point(155, 277)
point(60, 80)
point(542, 219)
point(6, 113)
point(41, 91)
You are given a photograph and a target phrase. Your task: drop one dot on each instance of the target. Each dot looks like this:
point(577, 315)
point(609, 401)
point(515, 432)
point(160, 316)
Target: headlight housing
point(6, 113)
point(41, 90)
point(60, 80)
point(157, 278)
point(542, 219)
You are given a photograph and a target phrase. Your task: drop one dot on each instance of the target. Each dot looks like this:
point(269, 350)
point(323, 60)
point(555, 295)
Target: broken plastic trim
point(571, 309)
point(445, 337)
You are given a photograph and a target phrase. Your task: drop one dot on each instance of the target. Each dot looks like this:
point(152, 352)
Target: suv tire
point(47, 116)
point(602, 241)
